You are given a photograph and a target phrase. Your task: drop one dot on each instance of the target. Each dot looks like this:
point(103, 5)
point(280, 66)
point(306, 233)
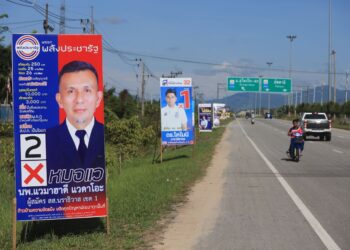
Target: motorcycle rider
point(252, 118)
point(292, 133)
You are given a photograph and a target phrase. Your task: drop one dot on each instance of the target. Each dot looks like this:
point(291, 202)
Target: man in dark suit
point(79, 141)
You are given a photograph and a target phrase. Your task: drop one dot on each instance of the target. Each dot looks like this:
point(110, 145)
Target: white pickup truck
point(316, 124)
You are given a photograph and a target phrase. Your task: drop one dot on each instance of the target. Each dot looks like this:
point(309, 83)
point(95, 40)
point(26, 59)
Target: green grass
point(140, 193)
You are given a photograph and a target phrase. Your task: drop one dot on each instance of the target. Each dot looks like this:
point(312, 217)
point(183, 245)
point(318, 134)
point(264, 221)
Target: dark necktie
point(82, 147)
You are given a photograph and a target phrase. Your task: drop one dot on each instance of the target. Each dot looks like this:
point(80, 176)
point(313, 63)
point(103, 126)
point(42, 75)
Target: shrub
point(6, 129)
point(128, 136)
point(7, 155)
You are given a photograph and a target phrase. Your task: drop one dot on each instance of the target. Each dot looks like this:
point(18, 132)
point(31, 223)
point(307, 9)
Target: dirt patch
point(196, 217)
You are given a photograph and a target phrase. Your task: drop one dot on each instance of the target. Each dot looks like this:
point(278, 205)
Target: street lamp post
point(330, 51)
point(334, 80)
point(346, 88)
point(260, 113)
point(291, 39)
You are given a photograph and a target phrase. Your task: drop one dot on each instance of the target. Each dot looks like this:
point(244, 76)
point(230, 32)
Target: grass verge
point(140, 193)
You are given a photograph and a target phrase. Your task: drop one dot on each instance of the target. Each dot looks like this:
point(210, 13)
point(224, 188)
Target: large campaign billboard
point(58, 126)
point(205, 117)
point(177, 116)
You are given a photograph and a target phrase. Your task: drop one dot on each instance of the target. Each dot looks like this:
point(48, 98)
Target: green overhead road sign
point(276, 85)
point(243, 84)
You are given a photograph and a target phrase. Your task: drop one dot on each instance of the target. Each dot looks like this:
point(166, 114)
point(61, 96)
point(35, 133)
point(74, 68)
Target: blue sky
point(243, 33)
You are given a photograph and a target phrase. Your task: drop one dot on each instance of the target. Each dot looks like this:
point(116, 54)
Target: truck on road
point(316, 124)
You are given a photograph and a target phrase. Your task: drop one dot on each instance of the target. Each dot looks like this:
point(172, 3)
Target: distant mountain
point(242, 101)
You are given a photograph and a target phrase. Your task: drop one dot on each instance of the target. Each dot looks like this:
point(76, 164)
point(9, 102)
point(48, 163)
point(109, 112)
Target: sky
point(223, 38)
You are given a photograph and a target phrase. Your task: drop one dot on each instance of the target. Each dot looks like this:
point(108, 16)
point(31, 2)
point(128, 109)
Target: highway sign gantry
point(278, 85)
point(255, 84)
point(243, 84)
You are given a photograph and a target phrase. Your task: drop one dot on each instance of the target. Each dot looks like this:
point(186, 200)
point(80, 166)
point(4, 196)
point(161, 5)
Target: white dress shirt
point(75, 138)
point(173, 118)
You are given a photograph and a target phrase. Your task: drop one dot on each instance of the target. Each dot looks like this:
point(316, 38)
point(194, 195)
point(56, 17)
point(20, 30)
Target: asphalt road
point(270, 202)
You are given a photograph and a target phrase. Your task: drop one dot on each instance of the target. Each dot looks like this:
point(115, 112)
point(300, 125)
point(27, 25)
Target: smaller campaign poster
point(177, 111)
point(58, 126)
point(205, 119)
point(219, 110)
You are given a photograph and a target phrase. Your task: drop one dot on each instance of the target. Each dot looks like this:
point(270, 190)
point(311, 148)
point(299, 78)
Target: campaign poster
point(177, 111)
point(58, 126)
point(205, 119)
point(218, 113)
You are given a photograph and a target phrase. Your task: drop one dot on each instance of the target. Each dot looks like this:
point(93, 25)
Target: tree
point(5, 70)
point(127, 106)
point(3, 28)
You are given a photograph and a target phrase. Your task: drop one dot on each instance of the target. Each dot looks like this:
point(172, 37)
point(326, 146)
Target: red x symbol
point(33, 173)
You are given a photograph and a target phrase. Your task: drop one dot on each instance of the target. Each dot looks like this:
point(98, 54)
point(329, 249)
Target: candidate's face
point(79, 97)
point(171, 99)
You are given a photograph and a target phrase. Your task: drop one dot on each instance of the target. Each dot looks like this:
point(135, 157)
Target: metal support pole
point(329, 50)
point(314, 97)
point(322, 95)
point(346, 86)
point(334, 78)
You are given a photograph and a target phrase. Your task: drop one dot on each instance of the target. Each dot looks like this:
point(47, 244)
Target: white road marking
point(311, 142)
point(314, 223)
point(340, 136)
point(337, 151)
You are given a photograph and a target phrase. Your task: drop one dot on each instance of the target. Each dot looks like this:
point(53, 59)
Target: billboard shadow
point(34, 230)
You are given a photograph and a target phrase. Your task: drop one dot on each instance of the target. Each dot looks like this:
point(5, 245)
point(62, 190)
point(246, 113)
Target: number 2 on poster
point(33, 146)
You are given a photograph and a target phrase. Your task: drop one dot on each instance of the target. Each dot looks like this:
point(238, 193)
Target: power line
point(22, 22)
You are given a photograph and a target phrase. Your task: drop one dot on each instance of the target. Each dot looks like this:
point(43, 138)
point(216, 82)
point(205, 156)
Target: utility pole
point(269, 95)
point(291, 39)
point(46, 25)
point(142, 88)
point(334, 79)
point(296, 103)
point(46, 21)
point(346, 86)
point(92, 25)
point(84, 23)
point(322, 95)
point(329, 51)
point(260, 76)
point(301, 95)
point(219, 86)
point(313, 101)
point(62, 17)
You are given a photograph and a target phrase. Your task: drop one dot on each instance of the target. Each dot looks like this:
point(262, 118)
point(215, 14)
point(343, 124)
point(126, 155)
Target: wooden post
point(194, 140)
point(161, 151)
point(192, 150)
point(120, 163)
point(14, 225)
point(108, 225)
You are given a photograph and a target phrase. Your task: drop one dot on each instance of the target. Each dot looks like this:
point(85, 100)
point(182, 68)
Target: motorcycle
point(296, 147)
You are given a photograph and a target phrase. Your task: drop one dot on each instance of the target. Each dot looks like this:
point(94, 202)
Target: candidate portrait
point(173, 117)
point(78, 142)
